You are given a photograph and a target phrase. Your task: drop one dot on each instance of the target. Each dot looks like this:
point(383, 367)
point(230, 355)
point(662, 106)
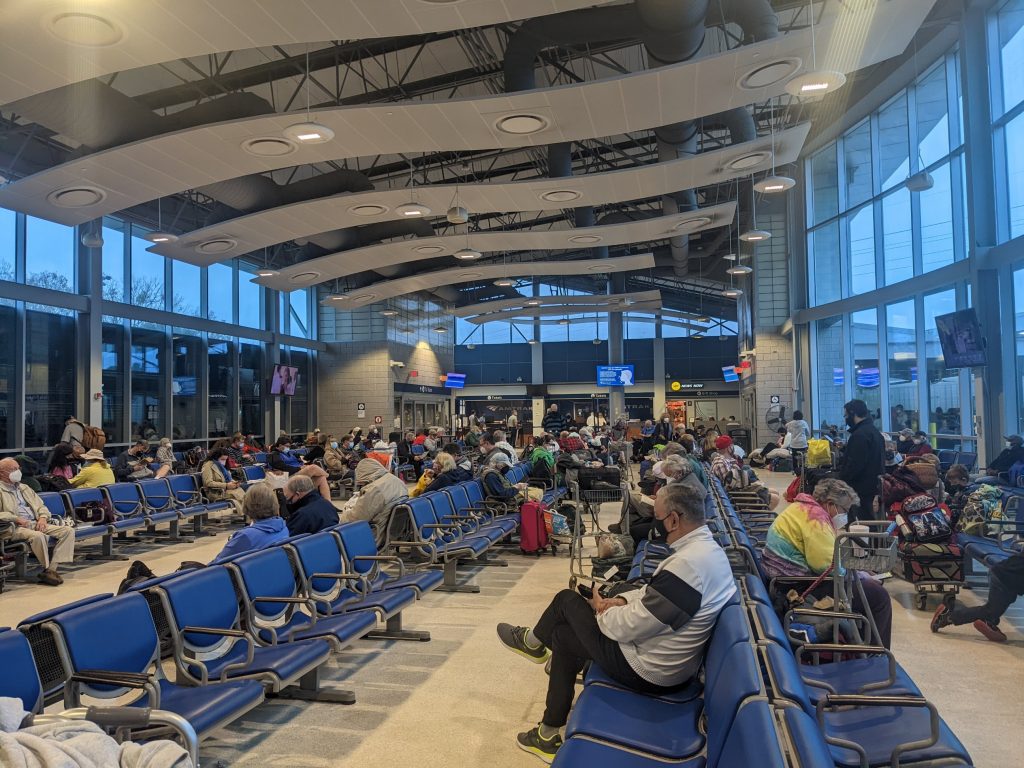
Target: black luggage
point(590, 477)
point(934, 567)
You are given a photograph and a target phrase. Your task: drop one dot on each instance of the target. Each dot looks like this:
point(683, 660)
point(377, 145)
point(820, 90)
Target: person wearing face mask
point(1010, 455)
point(282, 459)
point(650, 640)
point(21, 508)
point(921, 446)
point(236, 450)
point(663, 430)
point(801, 542)
point(308, 511)
point(863, 459)
point(218, 485)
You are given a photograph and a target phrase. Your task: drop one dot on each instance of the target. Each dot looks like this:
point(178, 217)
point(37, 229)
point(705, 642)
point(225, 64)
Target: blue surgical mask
point(334, 445)
point(285, 449)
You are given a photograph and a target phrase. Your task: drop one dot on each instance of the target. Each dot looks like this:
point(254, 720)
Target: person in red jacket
point(921, 446)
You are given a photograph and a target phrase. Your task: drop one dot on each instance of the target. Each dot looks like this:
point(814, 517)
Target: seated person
point(61, 462)
point(265, 529)
point(1005, 585)
point(496, 486)
point(570, 441)
point(309, 512)
point(501, 443)
point(282, 459)
point(218, 485)
point(650, 640)
point(1010, 455)
point(165, 457)
point(236, 450)
point(445, 472)
point(455, 451)
point(801, 542)
point(131, 463)
point(95, 471)
point(377, 493)
point(920, 444)
point(542, 463)
point(316, 451)
point(20, 505)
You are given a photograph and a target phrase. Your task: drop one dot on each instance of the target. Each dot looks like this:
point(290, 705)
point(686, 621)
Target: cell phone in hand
point(587, 592)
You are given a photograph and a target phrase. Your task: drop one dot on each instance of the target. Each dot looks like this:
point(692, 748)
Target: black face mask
point(660, 529)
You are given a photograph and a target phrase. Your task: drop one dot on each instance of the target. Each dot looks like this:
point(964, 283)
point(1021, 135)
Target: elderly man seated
point(309, 512)
point(651, 639)
point(20, 506)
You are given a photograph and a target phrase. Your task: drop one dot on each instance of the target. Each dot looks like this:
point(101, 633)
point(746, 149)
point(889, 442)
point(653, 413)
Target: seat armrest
point(382, 559)
point(214, 631)
point(107, 677)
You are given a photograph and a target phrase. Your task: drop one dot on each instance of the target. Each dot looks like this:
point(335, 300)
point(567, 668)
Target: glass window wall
point(187, 347)
point(50, 376)
point(862, 250)
point(944, 409)
point(937, 221)
point(831, 373)
point(113, 380)
point(250, 387)
point(223, 364)
point(866, 372)
point(8, 374)
point(49, 255)
point(113, 260)
point(897, 237)
point(901, 329)
point(221, 291)
point(147, 275)
point(149, 372)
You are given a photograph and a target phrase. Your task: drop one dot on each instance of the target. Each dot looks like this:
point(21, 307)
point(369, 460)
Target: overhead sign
point(676, 386)
point(775, 399)
point(455, 381)
point(420, 389)
point(729, 373)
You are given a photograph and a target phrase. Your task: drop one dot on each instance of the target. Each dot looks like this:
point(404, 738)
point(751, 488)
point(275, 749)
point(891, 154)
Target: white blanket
point(76, 744)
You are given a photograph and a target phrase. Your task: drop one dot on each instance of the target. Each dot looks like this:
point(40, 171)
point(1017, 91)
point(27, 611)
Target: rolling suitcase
point(533, 533)
point(935, 566)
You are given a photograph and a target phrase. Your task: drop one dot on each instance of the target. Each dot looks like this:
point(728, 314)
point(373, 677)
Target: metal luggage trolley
point(873, 552)
point(588, 505)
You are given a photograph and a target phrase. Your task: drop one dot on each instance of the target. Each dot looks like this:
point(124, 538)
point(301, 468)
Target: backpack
point(533, 532)
point(194, 457)
point(53, 483)
point(819, 453)
point(919, 520)
point(93, 438)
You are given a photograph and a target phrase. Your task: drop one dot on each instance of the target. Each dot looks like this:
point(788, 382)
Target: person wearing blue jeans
point(1005, 585)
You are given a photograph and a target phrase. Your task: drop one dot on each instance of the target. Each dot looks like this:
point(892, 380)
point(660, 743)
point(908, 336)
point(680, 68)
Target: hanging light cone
point(773, 184)
point(755, 235)
point(739, 269)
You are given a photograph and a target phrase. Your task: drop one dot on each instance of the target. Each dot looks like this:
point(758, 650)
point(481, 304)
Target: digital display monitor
point(615, 376)
point(284, 380)
point(455, 381)
point(960, 338)
point(729, 373)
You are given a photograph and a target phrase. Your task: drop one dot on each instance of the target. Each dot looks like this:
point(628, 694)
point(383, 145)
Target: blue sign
point(729, 373)
point(455, 381)
point(615, 376)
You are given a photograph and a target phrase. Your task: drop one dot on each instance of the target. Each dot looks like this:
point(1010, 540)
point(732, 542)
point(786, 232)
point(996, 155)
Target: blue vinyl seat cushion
point(210, 706)
point(580, 752)
point(20, 679)
point(285, 661)
point(848, 677)
point(879, 729)
point(422, 581)
point(692, 690)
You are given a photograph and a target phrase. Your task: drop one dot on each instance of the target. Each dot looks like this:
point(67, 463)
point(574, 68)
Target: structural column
point(659, 370)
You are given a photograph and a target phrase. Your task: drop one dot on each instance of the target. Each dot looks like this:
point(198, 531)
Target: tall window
point(113, 260)
point(250, 387)
point(8, 222)
point(186, 285)
point(221, 300)
point(8, 372)
point(223, 365)
point(149, 375)
point(831, 373)
point(187, 348)
point(943, 384)
point(250, 300)
point(857, 164)
point(113, 380)
point(1008, 110)
point(937, 222)
point(866, 375)
point(825, 184)
point(894, 142)
point(862, 250)
point(827, 277)
point(49, 255)
point(1018, 340)
point(897, 238)
point(902, 346)
point(50, 376)
point(147, 276)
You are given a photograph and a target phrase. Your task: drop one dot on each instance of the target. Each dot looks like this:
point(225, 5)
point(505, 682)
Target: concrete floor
point(460, 699)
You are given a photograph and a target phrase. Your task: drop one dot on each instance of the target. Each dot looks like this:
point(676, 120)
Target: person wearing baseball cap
point(1010, 455)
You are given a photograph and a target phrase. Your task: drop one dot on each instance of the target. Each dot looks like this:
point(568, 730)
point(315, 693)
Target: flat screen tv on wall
point(960, 337)
point(284, 380)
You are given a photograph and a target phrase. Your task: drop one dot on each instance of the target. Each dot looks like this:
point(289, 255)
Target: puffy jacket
point(260, 535)
point(379, 493)
point(452, 477)
point(312, 514)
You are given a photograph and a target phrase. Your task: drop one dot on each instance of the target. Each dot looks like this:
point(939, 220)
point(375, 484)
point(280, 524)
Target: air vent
point(268, 146)
point(220, 245)
point(304, 277)
point(769, 74)
point(368, 209)
point(76, 197)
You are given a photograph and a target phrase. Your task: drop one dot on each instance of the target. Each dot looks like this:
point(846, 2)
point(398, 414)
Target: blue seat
point(188, 497)
point(253, 473)
point(20, 679)
point(597, 676)
point(209, 642)
point(359, 550)
point(128, 661)
point(56, 505)
point(441, 542)
point(274, 604)
point(478, 500)
point(460, 500)
point(767, 624)
point(129, 509)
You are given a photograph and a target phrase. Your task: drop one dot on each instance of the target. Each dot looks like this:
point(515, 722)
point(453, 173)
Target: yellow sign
point(676, 386)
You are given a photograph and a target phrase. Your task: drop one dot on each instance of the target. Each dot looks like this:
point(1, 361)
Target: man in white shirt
point(651, 639)
point(512, 422)
point(20, 505)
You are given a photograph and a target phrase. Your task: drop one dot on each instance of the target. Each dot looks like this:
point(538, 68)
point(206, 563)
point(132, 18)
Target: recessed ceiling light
point(585, 239)
point(692, 224)
point(85, 29)
point(368, 209)
point(76, 197)
point(522, 124)
point(748, 161)
point(309, 133)
point(389, 312)
point(219, 245)
point(773, 184)
point(755, 235)
point(440, 329)
point(159, 237)
point(467, 254)
point(267, 273)
point(411, 209)
point(428, 249)
point(732, 293)
point(504, 282)
point(769, 74)
point(363, 297)
point(739, 269)
point(561, 195)
point(816, 83)
point(304, 277)
point(533, 303)
point(268, 146)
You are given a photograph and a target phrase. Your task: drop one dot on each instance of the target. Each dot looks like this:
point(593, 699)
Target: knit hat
point(723, 442)
point(368, 470)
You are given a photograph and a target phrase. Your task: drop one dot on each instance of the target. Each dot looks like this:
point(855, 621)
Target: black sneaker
point(943, 614)
point(514, 638)
point(990, 631)
point(532, 742)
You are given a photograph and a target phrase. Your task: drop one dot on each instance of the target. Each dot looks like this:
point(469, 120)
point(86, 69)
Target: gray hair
point(677, 467)
point(671, 448)
point(683, 501)
point(499, 436)
point(300, 484)
point(443, 462)
point(837, 492)
point(260, 502)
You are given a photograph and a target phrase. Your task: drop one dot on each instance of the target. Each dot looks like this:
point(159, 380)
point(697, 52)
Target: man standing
point(863, 459)
point(512, 423)
point(553, 421)
point(20, 505)
point(651, 639)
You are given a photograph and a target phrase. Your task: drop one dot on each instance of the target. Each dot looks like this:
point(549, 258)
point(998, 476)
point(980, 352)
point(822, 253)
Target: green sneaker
point(532, 742)
point(514, 638)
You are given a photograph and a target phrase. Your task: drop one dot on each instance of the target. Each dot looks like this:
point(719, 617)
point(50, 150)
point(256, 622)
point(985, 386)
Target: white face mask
point(15, 476)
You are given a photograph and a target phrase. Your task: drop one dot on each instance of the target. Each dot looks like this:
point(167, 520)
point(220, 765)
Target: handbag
point(95, 513)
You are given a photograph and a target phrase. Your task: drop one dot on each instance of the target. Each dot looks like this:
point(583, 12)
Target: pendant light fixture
point(457, 214)
point(754, 235)
point(504, 281)
point(815, 82)
point(159, 236)
point(467, 253)
point(412, 208)
point(309, 131)
point(773, 183)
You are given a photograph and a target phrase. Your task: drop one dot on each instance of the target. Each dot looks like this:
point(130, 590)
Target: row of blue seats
point(261, 624)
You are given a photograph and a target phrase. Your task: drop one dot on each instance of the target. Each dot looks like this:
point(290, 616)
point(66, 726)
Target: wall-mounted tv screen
point(284, 380)
point(729, 373)
point(615, 376)
point(960, 338)
point(455, 381)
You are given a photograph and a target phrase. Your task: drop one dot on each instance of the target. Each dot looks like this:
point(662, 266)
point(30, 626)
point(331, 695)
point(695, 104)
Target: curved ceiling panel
point(389, 289)
point(343, 263)
point(860, 35)
point(572, 300)
point(311, 217)
point(54, 43)
point(527, 312)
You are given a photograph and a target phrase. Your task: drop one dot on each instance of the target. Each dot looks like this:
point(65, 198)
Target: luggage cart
point(589, 504)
